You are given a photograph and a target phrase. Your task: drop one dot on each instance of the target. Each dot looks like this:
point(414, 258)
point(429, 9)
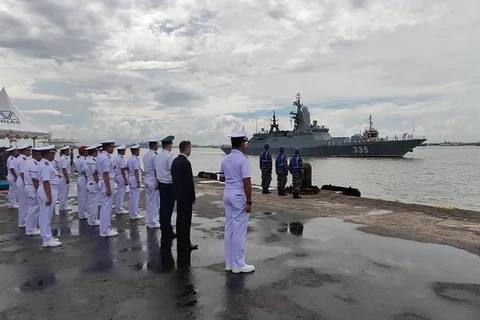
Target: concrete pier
point(326, 256)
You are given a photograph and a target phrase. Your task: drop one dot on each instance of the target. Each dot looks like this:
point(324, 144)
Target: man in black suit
point(184, 194)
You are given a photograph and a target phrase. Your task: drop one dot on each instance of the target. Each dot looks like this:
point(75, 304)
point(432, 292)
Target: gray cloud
point(123, 63)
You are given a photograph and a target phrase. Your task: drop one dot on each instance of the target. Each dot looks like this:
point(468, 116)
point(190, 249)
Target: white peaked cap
point(121, 147)
point(135, 146)
point(11, 148)
point(93, 147)
point(65, 148)
point(23, 146)
point(108, 142)
point(153, 140)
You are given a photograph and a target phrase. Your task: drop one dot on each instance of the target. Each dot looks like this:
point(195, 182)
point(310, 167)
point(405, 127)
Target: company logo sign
point(7, 116)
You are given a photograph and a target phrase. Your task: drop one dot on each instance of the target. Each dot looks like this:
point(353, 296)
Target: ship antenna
point(371, 122)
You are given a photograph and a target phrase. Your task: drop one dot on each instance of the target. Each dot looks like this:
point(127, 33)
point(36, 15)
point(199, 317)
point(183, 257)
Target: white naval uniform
point(33, 213)
point(20, 165)
point(105, 165)
point(235, 167)
point(46, 172)
point(81, 187)
point(134, 196)
point(93, 191)
point(12, 183)
point(64, 188)
point(152, 194)
point(121, 183)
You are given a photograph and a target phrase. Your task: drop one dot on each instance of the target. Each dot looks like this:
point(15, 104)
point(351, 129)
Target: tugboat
point(315, 140)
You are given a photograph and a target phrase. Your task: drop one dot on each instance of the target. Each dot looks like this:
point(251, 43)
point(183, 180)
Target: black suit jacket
point(182, 180)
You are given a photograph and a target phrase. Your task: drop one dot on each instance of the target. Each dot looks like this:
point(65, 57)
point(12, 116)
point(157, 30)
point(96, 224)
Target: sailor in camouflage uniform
point(281, 168)
point(266, 168)
point(296, 168)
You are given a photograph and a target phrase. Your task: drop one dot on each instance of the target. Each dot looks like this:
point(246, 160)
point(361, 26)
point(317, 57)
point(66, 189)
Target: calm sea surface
point(446, 176)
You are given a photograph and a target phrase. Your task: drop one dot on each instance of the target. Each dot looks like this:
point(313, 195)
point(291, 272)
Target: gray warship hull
point(394, 148)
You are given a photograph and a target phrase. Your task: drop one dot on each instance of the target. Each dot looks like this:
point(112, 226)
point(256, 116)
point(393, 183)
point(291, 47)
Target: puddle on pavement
point(295, 228)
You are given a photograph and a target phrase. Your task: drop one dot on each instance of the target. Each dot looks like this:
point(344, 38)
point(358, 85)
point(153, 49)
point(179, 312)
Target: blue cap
point(281, 149)
point(297, 150)
point(168, 139)
point(266, 146)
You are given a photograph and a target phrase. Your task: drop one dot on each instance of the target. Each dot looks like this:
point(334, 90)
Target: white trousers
point(63, 190)
point(120, 194)
point(133, 197)
point(93, 199)
point(12, 192)
point(46, 212)
point(22, 201)
point(33, 208)
point(152, 200)
point(106, 208)
point(82, 196)
point(236, 222)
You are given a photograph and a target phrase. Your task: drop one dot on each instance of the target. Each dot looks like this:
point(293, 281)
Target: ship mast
point(371, 122)
point(273, 124)
point(297, 115)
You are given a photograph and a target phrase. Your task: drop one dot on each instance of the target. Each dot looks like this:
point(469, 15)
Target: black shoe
point(296, 196)
point(189, 247)
point(265, 191)
point(282, 193)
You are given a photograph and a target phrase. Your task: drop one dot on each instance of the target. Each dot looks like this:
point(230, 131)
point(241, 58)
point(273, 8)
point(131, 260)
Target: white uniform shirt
point(30, 171)
point(90, 166)
point(10, 165)
point(46, 172)
point(149, 163)
point(119, 165)
point(133, 164)
point(20, 164)
point(64, 163)
point(235, 167)
point(79, 165)
point(163, 166)
point(104, 164)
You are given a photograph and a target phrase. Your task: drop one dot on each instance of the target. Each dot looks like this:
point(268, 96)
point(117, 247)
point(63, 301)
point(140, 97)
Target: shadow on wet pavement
point(318, 268)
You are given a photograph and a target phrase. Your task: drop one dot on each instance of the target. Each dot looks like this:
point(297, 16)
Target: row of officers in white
point(37, 184)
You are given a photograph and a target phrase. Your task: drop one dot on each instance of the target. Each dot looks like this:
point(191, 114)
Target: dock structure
point(60, 142)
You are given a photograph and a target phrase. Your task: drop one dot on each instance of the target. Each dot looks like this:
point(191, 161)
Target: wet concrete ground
point(320, 268)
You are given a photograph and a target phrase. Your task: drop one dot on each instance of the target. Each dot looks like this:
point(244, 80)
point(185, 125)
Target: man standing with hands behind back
point(184, 194)
point(235, 171)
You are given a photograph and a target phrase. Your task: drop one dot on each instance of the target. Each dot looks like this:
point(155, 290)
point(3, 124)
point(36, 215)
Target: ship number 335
point(360, 149)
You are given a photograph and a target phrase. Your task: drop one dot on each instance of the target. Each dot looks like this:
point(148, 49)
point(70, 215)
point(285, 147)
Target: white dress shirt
point(163, 166)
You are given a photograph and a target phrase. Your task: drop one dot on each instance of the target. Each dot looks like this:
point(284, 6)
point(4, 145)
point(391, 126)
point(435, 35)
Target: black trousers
point(166, 206)
point(184, 222)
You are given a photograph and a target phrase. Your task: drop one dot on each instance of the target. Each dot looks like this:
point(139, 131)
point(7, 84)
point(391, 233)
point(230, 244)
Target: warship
point(315, 140)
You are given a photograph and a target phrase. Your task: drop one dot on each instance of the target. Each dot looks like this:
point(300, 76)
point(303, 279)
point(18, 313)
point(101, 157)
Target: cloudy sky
point(201, 69)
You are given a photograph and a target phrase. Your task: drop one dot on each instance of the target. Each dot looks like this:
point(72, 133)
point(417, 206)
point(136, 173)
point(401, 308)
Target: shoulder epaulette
point(24, 158)
point(46, 163)
point(35, 162)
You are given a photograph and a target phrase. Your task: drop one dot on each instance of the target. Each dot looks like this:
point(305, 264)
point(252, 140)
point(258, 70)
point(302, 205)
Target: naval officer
point(134, 183)
point(20, 166)
point(281, 168)
point(12, 178)
point(47, 194)
point(94, 193)
point(107, 184)
point(120, 178)
point(65, 170)
point(81, 183)
point(235, 171)
point(266, 168)
point(296, 168)
point(163, 168)
point(151, 185)
point(31, 186)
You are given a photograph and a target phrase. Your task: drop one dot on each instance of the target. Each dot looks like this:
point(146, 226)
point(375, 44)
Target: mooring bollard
point(307, 187)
